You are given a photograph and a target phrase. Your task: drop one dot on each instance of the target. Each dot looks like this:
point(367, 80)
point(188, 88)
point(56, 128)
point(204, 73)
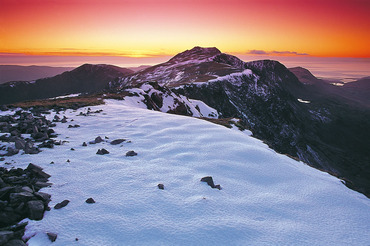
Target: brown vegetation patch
point(68, 102)
point(227, 122)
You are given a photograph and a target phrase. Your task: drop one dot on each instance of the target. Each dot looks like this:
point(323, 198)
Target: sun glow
point(152, 28)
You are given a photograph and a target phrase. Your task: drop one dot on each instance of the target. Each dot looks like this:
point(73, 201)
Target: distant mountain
point(195, 65)
point(356, 93)
point(84, 79)
point(29, 73)
point(304, 75)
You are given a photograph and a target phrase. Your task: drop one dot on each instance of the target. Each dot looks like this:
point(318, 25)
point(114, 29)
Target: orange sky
point(150, 28)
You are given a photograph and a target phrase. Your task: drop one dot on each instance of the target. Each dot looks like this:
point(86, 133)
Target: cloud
point(274, 52)
point(257, 52)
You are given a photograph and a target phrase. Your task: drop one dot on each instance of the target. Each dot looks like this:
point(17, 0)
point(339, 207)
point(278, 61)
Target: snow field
point(266, 198)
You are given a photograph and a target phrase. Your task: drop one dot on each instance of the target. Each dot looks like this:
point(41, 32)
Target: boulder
point(90, 200)
point(20, 143)
point(37, 170)
point(17, 198)
point(35, 209)
point(98, 140)
point(5, 236)
point(61, 204)
point(102, 152)
point(131, 153)
point(43, 196)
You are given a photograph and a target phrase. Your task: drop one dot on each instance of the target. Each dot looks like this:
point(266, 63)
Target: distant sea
point(342, 69)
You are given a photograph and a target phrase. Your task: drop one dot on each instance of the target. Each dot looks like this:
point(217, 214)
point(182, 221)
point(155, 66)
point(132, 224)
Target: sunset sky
point(157, 28)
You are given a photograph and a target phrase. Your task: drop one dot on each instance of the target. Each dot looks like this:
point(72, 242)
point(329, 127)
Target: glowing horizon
point(157, 28)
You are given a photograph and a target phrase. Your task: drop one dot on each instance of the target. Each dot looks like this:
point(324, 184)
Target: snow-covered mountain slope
point(160, 98)
point(195, 65)
point(266, 198)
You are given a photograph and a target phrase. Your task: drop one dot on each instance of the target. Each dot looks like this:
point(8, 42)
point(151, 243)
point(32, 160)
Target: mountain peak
point(197, 53)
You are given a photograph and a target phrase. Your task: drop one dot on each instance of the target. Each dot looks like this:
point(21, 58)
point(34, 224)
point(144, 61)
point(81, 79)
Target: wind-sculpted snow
point(266, 198)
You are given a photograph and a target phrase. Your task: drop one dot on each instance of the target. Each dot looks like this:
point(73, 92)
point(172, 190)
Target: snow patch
point(303, 101)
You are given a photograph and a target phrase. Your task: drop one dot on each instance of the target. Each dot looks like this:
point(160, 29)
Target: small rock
point(68, 161)
point(117, 141)
point(90, 200)
point(64, 120)
point(84, 144)
point(52, 236)
point(98, 139)
point(161, 186)
point(52, 162)
point(209, 181)
point(102, 152)
point(72, 149)
point(131, 153)
point(61, 204)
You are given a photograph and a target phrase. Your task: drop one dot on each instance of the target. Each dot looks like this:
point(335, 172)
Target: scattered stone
point(61, 204)
point(98, 140)
point(52, 236)
point(131, 153)
point(36, 209)
point(73, 126)
point(106, 137)
point(161, 186)
point(2, 159)
point(90, 200)
point(84, 144)
point(64, 120)
point(117, 141)
point(209, 181)
point(102, 152)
